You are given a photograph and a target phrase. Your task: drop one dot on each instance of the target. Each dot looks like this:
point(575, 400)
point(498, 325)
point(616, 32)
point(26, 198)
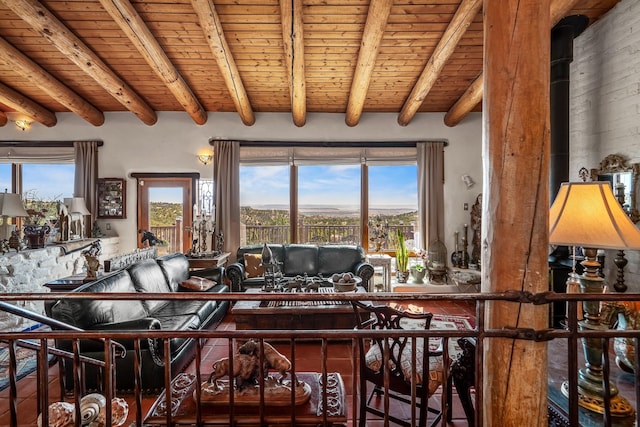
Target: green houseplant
point(402, 259)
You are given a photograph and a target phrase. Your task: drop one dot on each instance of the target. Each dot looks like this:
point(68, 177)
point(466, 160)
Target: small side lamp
point(587, 214)
point(77, 208)
point(10, 206)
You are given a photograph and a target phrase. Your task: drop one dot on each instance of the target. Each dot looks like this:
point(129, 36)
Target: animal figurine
point(245, 370)
point(273, 359)
point(295, 283)
point(150, 239)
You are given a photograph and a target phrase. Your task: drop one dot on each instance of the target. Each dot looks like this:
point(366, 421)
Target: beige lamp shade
point(587, 214)
point(76, 205)
point(11, 205)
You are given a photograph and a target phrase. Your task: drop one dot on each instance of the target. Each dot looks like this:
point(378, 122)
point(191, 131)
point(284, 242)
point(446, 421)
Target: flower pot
point(402, 276)
point(418, 275)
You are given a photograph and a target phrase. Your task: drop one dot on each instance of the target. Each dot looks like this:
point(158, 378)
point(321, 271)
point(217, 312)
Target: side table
point(208, 262)
point(383, 261)
point(66, 284)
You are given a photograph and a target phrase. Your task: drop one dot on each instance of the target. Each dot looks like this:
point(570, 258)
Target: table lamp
point(77, 208)
point(587, 214)
point(10, 206)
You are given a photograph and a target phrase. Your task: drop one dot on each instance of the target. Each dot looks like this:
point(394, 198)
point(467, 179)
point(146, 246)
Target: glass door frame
point(189, 184)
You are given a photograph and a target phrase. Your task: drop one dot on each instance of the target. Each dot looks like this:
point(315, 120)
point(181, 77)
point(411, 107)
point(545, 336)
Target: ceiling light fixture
point(23, 124)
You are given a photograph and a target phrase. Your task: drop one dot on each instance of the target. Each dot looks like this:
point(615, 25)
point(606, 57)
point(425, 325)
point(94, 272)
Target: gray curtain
point(431, 192)
point(86, 177)
point(226, 175)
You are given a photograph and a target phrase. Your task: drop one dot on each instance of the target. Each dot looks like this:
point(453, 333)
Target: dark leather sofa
point(299, 259)
point(163, 274)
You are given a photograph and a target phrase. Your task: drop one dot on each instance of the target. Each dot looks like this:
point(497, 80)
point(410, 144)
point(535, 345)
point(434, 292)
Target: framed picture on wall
point(112, 196)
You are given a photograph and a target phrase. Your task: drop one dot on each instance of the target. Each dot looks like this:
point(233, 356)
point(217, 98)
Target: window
point(329, 204)
point(324, 192)
point(264, 204)
point(393, 205)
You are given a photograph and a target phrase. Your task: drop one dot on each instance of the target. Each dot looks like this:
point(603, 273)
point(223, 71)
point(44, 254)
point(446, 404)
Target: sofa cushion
point(86, 314)
point(148, 277)
point(300, 259)
point(338, 258)
point(253, 265)
point(202, 309)
point(175, 268)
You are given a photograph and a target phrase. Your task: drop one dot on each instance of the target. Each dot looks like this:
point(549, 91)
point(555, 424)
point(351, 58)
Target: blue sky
point(337, 185)
point(329, 185)
point(43, 182)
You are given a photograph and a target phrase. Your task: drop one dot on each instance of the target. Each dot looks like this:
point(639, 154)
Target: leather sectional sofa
point(164, 274)
point(299, 259)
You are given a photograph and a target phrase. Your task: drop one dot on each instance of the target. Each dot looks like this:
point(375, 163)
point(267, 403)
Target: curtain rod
point(14, 143)
point(331, 144)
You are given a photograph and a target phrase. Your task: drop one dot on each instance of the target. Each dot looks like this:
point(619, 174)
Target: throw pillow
point(252, 265)
point(196, 283)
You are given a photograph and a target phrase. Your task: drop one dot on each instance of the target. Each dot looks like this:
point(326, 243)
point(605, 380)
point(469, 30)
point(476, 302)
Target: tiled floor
point(338, 360)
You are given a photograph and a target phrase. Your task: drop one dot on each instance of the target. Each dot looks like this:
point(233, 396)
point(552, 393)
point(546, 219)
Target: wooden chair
point(462, 374)
point(395, 375)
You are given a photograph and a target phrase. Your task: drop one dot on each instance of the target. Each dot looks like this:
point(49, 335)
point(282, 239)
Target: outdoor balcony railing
point(318, 234)
point(311, 234)
point(572, 337)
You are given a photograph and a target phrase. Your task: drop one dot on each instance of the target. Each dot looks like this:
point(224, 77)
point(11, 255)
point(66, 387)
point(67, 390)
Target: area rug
point(26, 361)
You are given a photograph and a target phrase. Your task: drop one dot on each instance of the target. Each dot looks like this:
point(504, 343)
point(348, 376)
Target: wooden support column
point(516, 206)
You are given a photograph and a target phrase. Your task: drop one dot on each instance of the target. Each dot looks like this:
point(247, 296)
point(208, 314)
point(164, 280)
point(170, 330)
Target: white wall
point(172, 143)
point(605, 102)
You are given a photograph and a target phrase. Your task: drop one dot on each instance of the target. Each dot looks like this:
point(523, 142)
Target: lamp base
point(620, 407)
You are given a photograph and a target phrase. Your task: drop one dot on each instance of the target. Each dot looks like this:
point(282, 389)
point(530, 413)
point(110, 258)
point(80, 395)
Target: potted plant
point(417, 273)
point(402, 259)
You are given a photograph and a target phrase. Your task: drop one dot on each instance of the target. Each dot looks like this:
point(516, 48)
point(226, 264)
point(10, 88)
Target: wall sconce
point(206, 158)
point(468, 181)
point(23, 124)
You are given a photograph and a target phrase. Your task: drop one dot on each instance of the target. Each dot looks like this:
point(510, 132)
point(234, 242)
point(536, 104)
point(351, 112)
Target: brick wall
point(605, 102)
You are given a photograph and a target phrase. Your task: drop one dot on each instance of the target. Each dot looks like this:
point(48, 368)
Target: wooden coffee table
point(183, 405)
point(312, 315)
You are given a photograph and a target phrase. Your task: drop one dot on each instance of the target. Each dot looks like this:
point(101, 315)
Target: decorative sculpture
point(273, 359)
point(92, 261)
point(246, 371)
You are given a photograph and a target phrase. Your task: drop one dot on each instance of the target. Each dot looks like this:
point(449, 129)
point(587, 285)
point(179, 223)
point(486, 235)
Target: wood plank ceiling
point(247, 56)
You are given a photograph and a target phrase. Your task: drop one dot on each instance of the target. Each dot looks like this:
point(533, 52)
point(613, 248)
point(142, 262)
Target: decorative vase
point(402, 276)
point(36, 235)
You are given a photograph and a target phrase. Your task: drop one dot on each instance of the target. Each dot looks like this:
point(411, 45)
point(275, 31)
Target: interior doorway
point(165, 209)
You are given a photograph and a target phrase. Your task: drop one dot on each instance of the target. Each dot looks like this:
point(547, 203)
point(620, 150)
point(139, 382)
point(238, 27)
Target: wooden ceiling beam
point(464, 16)
point(375, 25)
point(63, 39)
point(212, 28)
point(473, 95)
point(49, 84)
point(24, 105)
point(293, 40)
point(130, 22)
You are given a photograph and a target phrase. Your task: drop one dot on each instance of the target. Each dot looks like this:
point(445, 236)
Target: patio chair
point(396, 375)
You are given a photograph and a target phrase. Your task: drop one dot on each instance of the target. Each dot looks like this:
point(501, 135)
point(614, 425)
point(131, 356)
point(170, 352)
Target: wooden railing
point(318, 234)
point(572, 336)
point(311, 234)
